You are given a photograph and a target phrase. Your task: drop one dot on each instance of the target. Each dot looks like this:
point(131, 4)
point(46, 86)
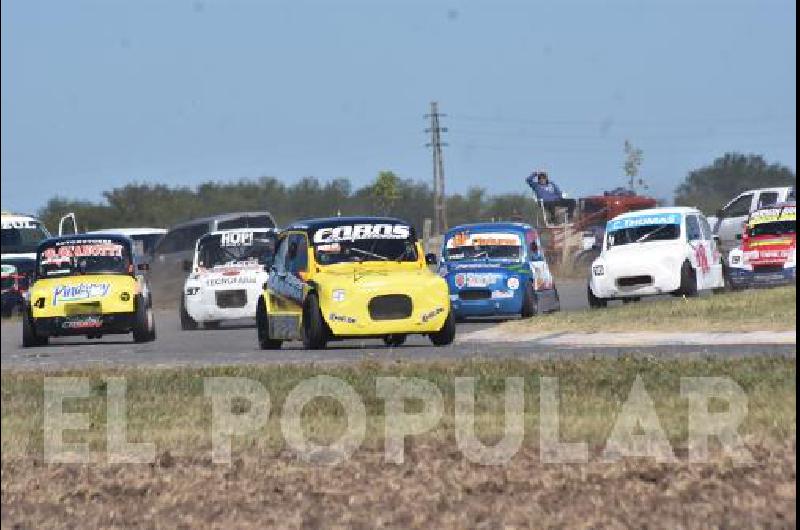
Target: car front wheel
point(315, 332)
point(265, 342)
point(29, 336)
point(447, 334)
point(594, 301)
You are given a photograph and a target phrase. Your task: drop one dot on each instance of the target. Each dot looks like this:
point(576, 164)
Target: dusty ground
point(435, 488)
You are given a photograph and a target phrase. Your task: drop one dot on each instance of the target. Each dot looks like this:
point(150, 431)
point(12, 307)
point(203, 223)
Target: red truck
point(583, 236)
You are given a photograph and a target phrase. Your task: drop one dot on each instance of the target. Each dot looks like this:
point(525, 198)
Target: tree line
point(156, 205)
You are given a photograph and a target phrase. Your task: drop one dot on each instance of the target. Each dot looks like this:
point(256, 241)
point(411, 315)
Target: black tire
point(594, 301)
point(394, 340)
point(315, 331)
point(556, 301)
point(265, 342)
point(187, 322)
point(144, 325)
point(530, 302)
point(30, 337)
point(688, 286)
point(447, 334)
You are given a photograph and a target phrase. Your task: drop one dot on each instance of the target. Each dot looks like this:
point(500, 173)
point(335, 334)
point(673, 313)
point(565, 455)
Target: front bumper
point(742, 278)
point(664, 280)
point(108, 324)
point(487, 306)
point(202, 307)
point(352, 319)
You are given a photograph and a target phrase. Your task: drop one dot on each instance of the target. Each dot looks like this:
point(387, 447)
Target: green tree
point(633, 161)
point(710, 187)
point(385, 192)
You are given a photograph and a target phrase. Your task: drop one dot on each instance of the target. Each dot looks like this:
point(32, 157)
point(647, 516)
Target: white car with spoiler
point(226, 276)
point(652, 252)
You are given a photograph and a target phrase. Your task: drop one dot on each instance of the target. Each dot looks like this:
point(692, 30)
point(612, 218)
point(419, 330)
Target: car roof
point(129, 231)
point(6, 216)
point(499, 225)
point(229, 230)
point(223, 217)
point(87, 237)
point(680, 210)
point(310, 225)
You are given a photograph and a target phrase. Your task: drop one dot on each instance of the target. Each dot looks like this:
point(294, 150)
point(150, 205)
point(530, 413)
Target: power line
point(439, 203)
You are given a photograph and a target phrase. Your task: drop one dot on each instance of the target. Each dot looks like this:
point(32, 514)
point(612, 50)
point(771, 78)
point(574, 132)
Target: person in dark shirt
point(550, 194)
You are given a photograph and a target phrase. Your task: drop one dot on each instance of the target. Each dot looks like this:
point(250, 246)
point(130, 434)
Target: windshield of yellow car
point(493, 246)
point(364, 242)
point(236, 249)
point(84, 256)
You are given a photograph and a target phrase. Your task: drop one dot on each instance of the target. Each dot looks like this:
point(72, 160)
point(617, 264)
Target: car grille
point(475, 294)
point(231, 298)
point(634, 281)
point(768, 269)
point(390, 307)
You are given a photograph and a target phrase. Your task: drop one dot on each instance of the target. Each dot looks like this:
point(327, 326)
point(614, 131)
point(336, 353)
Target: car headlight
point(337, 295)
point(191, 291)
point(598, 270)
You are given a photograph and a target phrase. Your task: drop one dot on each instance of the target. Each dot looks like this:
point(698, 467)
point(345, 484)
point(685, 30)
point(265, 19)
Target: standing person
point(550, 194)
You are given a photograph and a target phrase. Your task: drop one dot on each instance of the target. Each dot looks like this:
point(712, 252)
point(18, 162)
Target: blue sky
point(99, 94)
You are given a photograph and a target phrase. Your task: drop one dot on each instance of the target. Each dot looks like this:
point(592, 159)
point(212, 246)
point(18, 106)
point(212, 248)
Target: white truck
point(729, 222)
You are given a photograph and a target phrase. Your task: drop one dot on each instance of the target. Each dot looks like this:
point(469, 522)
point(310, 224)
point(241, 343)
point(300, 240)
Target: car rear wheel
point(29, 336)
point(265, 342)
point(394, 340)
point(688, 286)
point(447, 334)
point(315, 331)
point(594, 301)
point(187, 322)
point(530, 302)
point(144, 326)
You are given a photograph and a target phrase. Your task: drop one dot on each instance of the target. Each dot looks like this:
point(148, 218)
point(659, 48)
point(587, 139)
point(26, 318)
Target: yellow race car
point(87, 285)
point(352, 277)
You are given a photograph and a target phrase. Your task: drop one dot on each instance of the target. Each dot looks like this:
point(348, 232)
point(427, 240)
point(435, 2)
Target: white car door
point(731, 221)
point(715, 278)
point(699, 251)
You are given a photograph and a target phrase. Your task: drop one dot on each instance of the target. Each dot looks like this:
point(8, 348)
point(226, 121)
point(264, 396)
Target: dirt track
point(435, 488)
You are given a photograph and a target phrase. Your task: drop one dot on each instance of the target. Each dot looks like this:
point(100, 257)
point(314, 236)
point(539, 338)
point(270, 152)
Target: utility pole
point(439, 203)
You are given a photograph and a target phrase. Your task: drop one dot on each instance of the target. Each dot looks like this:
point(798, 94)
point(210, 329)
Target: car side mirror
point(431, 259)
point(143, 267)
point(187, 266)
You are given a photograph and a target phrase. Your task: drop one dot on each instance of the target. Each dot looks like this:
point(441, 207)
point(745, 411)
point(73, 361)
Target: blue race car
point(497, 269)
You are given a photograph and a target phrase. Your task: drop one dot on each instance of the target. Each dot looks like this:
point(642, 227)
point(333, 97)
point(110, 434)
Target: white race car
point(655, 251)
point(226, 276)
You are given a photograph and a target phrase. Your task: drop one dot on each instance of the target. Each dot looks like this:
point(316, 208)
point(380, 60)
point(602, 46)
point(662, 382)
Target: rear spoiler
point(70, 216)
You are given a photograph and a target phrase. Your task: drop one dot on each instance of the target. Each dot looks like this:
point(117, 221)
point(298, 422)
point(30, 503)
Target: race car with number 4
point(655, 251)
point(768, 252)
point(226, 276)
point(87, 285)
point(352, 277)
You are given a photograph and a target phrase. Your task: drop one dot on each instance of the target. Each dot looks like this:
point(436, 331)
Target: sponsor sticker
point(230, 280)
point(64, 250)
point(513, 283)
point(19, 223)
point(355, 232)
point(770, 215)
point(341, 318)
point(487, 239)
point(432, 314)
point(476, 279)
point(644, 220)
point(83, 323)
point(81, 291)
point(502, 294)
point(236, 239)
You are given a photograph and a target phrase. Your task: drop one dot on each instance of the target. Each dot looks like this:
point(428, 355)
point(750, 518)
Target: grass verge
point(751, 310)
point(169, 408)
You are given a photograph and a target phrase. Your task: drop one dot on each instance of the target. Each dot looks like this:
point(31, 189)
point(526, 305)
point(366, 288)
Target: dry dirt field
point(434, 488)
